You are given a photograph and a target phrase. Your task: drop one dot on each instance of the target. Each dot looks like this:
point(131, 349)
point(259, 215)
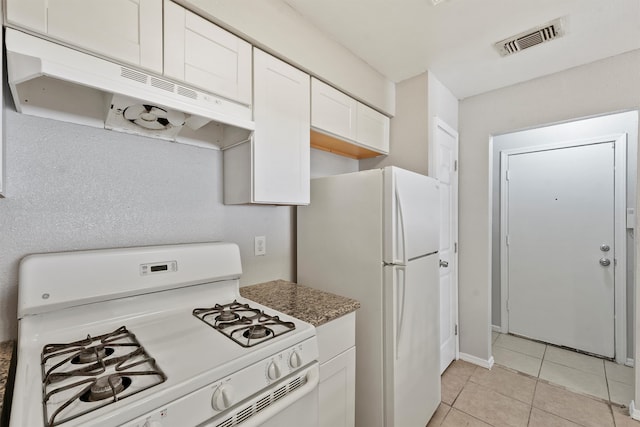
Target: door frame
point(441, 125)
point(620, 220)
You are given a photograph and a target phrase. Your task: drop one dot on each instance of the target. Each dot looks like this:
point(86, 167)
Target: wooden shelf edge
point(331, 144)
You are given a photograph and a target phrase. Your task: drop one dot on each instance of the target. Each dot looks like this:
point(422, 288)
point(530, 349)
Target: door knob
point(444, 264)
point(605, 262)
point(604, 248)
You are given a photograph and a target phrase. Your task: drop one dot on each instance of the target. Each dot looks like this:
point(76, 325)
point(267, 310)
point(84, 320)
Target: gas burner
point(91, 355)
point(227, 316)
point(106, 387)
point(256, 332)
point(251, 325)
point(82, 376)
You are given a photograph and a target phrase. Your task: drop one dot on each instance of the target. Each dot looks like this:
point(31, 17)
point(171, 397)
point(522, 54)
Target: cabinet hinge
point(456, 330)
point(455, 165)
point(455, 247)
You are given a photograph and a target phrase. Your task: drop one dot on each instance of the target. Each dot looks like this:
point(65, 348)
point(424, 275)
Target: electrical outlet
point(260, 245)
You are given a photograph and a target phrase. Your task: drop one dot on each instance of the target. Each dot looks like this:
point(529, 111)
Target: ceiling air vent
point(529, 38)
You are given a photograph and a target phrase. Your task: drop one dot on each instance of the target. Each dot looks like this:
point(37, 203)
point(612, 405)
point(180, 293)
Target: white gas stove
point(156, 336)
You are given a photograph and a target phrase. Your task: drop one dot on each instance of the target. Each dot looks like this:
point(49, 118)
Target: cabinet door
point(281, 112)
point(332, 111)
point(125, 30)
point(372, 129)
point(201, 53)
point(337, 390)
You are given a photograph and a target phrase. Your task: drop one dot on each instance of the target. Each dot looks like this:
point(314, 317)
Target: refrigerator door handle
point(399, 309)
point(400, 240)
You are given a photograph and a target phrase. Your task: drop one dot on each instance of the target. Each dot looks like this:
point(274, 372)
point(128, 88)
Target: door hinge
point(507, 174)
point(456, 330)
point(507, 305)
point(455, 247)
point(455, 165)
point(507, 240)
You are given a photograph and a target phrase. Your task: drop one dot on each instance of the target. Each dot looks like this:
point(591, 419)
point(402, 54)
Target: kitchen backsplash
point(71, 187)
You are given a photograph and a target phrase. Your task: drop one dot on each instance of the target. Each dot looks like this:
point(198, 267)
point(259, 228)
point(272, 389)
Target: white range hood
point(53, 81)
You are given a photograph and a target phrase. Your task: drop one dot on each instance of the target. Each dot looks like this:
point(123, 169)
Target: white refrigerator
point(374, 236)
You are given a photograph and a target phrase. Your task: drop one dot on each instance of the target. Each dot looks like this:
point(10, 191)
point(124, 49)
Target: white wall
point(441, 103)
point(418, 101)
point(73, 187)
point(409, 131)
point(324, 163)
point(601, 87)
point(276, 27)
point(626, 122)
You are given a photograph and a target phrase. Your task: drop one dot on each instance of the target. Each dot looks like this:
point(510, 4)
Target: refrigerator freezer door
point(412, 342)
point(412, 215)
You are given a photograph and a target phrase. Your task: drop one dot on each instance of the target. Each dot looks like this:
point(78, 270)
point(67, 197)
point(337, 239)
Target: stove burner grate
point(96, 371)
point(250, 327)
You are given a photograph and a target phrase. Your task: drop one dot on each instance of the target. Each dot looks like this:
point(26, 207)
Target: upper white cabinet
point(372, 129)
point(202, 54)
point(274, 166)
point(336, 118)
point(332, 110)
point(126, 30)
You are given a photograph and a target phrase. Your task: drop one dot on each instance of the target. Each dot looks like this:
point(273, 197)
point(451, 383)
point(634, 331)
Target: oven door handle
point(313, 378)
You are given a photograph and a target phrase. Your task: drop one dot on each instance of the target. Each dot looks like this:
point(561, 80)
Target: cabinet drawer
point(336, 336)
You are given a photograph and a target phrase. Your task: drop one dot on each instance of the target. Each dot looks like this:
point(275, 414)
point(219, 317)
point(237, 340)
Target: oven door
point(301, 413)
point(298, 407)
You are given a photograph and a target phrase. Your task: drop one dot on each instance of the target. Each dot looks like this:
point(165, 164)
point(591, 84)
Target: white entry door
point(560, 246)
point(446, 160)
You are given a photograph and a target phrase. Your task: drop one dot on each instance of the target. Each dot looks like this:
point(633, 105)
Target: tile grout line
point(535, 387)
point(544, 353)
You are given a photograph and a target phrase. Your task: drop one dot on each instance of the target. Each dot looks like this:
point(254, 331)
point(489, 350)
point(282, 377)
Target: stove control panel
point(226, 396)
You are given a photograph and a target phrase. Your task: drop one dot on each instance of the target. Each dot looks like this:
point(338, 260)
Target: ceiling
point(454, 39)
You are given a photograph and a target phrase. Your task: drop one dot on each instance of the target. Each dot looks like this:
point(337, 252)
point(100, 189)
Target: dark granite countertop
point(6, 354)
point(302, 302)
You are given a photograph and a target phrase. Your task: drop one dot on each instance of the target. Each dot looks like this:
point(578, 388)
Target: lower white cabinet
point(337, 345)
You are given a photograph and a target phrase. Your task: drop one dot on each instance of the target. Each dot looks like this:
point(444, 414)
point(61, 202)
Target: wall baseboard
point(487, 364)
point(629, 362)
point(633, 412)
point(496, 328)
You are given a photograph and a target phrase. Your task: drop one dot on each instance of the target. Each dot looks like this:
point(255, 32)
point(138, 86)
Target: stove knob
point(273, 371)
point(222, 397)
point(295, 360)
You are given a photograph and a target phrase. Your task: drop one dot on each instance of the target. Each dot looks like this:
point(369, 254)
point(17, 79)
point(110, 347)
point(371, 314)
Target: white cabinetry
point(204, 55)
point(273, 167)
point(372, 129)
point(332, 111)
point(126, 30)
point(336, 118)
point(336, 343)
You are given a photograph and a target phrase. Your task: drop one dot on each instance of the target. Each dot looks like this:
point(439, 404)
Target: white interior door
point(446, 159)
point(560, 246)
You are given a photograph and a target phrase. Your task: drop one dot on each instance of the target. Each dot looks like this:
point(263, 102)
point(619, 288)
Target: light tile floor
point(529, 386)
point(574, 371)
